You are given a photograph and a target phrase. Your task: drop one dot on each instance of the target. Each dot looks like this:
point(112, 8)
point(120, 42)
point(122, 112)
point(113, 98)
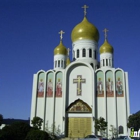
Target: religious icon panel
point(49, 84)
point(100, 84)
point(59, 84)
point(40, 91)
point(119, 84)
point(109, 84)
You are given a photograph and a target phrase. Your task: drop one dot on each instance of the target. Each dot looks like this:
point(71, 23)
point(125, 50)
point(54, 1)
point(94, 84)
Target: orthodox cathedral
point(74, 93)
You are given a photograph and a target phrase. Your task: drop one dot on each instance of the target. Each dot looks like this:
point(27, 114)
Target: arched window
point(90, 52)
point(62, 63)
point(103, 62)
point(55, 64)
point(94, 54)
point(77, 53)
point(106, 62)
point(84, 52)
point(120, 129)
point(58, 63)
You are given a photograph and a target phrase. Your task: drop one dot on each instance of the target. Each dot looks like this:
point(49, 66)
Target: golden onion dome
point(60, 49)
point(106, 47)
point(85, 30)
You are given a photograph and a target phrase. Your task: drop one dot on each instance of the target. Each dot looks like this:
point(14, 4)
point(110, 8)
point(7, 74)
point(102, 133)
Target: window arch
point(84, 53)
point(55, 63)
point(90, 52)
point(103, 62)
point(78, 53)
point(95, 54)
point(106, 62)
point(62, 63)
point(120, 129)
point(58, 63)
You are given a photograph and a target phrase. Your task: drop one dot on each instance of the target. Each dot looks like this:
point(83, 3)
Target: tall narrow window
point(109, 62)
point(106, 62)
point(55, 64)
point(103, 62)
point(77, 53)
point(62, 63)
point(94, 54)
point(84, 52)
point(58, 63)
point(90, 52)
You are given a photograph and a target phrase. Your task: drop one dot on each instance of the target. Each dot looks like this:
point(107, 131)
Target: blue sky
point(29, 33)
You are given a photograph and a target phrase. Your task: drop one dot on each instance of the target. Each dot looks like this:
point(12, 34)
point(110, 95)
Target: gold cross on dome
point(105, 31)
point(68, 51)
point(61, 34)
point(85, 8)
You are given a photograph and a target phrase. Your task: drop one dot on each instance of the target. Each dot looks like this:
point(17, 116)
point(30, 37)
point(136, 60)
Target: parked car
point(90, 137)
point(101, 138)
point(123, 138)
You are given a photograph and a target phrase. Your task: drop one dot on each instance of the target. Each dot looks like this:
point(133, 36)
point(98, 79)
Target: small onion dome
point(67, 61)
point(85, 30)
point(60, 49)
point(106, 47)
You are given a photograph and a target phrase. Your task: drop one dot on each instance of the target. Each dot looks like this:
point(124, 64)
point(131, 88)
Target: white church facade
point(74, 93)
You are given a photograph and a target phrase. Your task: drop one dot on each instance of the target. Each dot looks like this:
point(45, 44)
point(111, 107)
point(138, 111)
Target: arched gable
point(79, 106)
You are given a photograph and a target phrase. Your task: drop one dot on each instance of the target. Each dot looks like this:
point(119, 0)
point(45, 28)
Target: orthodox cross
point(61, 34)
point(85, 8)
point(68, 51)
point(105, 31)
point(79, 82)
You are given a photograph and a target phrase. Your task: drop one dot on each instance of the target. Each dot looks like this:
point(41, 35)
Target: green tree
point(114, 131)
point(15, 131)
point(7, 133)
point(134, 121)
point(1, 119)
point(36, 134)
point(100, 125)
point(37, 122)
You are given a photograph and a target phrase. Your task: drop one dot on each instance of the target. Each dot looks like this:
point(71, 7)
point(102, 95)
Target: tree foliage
point(134, 121)
point(114, 131)
point(37, 122)
point(36, 134)
point(15, 131)
point(100, 125)
point(1, 119)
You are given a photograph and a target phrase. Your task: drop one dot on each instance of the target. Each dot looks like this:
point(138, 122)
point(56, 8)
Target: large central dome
point(85, 30)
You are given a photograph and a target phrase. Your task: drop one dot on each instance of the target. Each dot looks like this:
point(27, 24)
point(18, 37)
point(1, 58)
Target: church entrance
point(78, 124)
point(79, 127)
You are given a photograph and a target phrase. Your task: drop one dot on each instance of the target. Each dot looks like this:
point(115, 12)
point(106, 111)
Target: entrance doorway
point(79, 127)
